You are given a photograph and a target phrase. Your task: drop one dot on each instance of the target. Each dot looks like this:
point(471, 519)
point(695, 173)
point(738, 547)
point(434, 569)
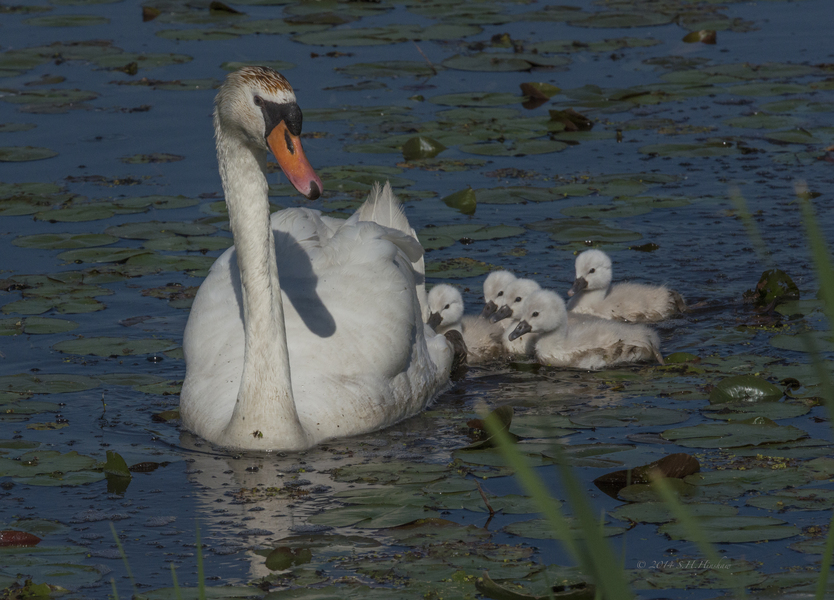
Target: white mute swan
point(308, 328)
point(587, 343)
point(482, 338)
point(593, 294)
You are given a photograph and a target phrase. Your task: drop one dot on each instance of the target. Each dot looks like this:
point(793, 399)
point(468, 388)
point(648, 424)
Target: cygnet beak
point(578, 285)
point(489, 308)
point(520, 329)
point(502, 313)
point(434, 320)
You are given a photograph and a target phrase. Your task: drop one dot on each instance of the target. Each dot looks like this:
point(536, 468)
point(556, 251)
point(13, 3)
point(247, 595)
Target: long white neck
point(265, 407)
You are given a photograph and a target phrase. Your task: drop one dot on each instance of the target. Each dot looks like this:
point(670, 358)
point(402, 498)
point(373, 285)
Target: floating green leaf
point(745, 388)
point(110, 346)
point(422, 147)
point(734, 529)
point(463, 201)
point(24, 153)
point(750, 432)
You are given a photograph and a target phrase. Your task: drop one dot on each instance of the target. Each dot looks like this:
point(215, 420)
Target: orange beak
point(290, 155)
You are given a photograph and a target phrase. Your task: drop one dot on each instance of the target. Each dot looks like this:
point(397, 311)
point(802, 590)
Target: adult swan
point(309, 328)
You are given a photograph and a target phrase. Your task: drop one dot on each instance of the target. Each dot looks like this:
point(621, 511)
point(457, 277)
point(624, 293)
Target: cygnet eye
point(259, 101)
point(535, 314)
point(501, 293)
point(518, 298)
point(592, 271)
point(445, 307)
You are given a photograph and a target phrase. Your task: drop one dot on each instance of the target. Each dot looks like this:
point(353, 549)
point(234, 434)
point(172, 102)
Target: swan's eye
point(518, 298)
point(591, 271)
point(445, 307)
point(501, 293)
point(535, 314)
point(259, 101)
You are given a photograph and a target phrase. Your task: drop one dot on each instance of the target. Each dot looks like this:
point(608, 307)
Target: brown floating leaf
point(149, 13)
point(705, 36)
point(675, 466)
point(146, 467)
point(18, 538)
point(537, 93)
point(572, 120)
point(165, 416)
point(220, 7)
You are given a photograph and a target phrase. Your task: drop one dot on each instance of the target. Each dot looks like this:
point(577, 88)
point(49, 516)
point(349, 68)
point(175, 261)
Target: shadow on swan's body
point(593, 294)
point(309, 328)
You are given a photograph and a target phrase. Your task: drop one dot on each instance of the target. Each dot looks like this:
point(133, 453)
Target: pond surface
point(111, 213)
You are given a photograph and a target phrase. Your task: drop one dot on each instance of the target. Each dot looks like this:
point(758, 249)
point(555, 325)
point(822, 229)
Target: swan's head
point(593, 272)
point(495, 289)
point(516, 293)
point(445, 306)
point(257, 106)
point(542, 312)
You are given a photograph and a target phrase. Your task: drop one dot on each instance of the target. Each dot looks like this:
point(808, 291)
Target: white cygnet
point(483, 339)
point(593, 294)
point(585, 343)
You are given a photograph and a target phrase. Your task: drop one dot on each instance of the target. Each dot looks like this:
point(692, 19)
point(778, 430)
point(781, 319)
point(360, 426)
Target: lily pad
point(751, 432)
point(24, 153)
point(110, 346)
point(659, 512)
point(457, 268)
point(734, 529)
point(464, 201)
point(52, 241)
point(745, 388)
point(35, 326)
point(629, 416)
point(433, 238)
point(583, 230)
point(795, 499)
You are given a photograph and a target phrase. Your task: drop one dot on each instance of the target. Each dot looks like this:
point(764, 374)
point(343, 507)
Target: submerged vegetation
point(519, 134)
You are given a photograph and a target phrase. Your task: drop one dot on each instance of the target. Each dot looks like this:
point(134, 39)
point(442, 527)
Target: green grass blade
point(124, 558)
point(594, 554)
point(695, 532)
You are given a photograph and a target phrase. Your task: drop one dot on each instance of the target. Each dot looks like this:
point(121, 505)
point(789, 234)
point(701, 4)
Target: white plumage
point(308, 328)
point(593, 294)
point(482, 338)
point(584, 343)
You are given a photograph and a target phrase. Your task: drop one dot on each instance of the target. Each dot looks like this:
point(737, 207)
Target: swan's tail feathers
point(383, 207)
point(409, 245)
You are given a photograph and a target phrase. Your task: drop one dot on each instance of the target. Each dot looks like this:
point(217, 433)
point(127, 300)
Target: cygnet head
point(445, 306)
point(516, 293)
point(495, 289)
point(256, 108)
point(593, 272)
point(542, 312)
